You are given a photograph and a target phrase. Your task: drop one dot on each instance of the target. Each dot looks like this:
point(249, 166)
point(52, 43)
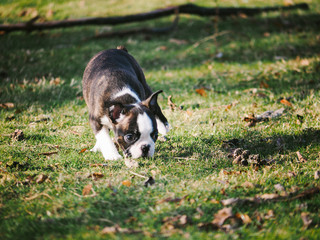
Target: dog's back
point(99, 79)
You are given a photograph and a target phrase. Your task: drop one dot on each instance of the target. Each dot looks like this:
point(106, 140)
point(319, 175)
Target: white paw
point(95, 149)
point(112, 157)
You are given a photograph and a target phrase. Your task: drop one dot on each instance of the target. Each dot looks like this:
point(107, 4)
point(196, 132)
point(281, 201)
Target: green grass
point(41, 74)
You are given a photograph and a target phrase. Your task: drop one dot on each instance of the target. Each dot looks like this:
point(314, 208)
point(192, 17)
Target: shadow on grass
point(64, 54)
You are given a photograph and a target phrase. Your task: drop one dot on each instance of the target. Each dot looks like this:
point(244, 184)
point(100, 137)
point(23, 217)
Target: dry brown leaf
point(300, 157)
point(306, 219)
point(41, 178)
point(18, 135)
point(269, 214)
point(83, 150)
point(117, 229)
point(269, 196)
point(96, 175)
point(286, 102)
point(221, 216)
point(263, 84)
point(130, 163)
point(7, 105)
point(87, 189)
point(244, 217)
point(229, 201)
point(126, 183)
point(214, 201)
point(247, 184)
point(201, 91)
point(171, 104)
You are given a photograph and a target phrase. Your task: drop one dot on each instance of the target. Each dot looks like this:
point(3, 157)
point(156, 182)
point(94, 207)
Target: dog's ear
point(115, 112)
point(151, 102)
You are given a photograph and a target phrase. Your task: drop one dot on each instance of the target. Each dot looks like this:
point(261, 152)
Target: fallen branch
point(141, 30)
point(32, 25)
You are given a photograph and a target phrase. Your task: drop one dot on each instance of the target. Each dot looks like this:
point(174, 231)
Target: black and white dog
point(118, 98)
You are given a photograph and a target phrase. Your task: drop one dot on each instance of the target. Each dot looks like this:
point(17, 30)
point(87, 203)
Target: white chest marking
point(128, 91)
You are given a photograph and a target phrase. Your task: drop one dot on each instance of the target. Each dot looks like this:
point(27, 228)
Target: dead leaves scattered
point(245, 158)
point(117, 229)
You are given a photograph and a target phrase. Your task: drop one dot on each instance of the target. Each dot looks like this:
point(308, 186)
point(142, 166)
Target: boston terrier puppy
point(119, 99)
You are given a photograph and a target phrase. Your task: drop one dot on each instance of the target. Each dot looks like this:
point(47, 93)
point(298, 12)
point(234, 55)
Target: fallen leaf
point(83, 150)
point(229, 201)
point(18, 135)
point(96, 175)
point(306, 219)
point(126, 183)
point(286, 102)
point(244, 217)
point(214, 201)
point(263, 84)
point(41, 178)
point(221, 216)
point(269, 196)
point(201, 91)
point(266, 34)
point(130, 163)
point(171, 104)
point(118, 229)
point(269, 214)
point(301, 158)
point(247, 184)
point(279, 188)
point(87, 189)
point(7, 105)
point(304, 62)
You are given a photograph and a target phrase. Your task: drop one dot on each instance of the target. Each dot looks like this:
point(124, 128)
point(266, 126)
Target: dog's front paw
point(95, 149)
point(112, 157)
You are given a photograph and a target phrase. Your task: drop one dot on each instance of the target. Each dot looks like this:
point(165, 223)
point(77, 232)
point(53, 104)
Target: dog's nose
point(145, 149)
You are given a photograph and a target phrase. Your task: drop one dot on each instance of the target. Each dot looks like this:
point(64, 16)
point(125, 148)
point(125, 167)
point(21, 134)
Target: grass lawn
point(223, 75)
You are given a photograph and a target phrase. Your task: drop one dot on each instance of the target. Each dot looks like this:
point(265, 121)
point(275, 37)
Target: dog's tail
point(121, 47)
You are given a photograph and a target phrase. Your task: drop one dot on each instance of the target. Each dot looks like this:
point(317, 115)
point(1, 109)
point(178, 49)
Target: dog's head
point(135, 126)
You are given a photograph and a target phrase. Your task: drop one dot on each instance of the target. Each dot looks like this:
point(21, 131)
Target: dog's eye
point(129, 138)
point(154, 135)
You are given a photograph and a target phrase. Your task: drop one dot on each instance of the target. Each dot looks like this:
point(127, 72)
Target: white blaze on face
point(145, 128)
